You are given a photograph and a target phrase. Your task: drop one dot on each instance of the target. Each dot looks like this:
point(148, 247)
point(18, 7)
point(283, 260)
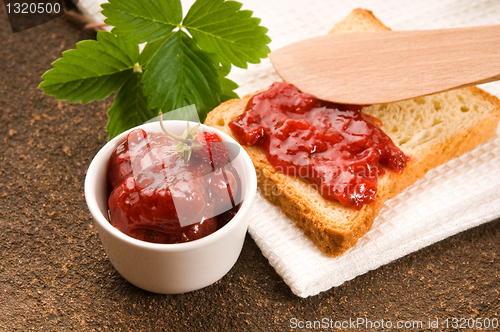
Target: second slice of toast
point(430, 130)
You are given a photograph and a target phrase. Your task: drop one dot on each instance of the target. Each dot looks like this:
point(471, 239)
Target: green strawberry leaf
point(129, 108)
point(185, 62)
point(92, 71)
point(150, 49)
point(224, 69)
point(231, 34)
point(227, 87)
point(180, 74)
point(142, 20)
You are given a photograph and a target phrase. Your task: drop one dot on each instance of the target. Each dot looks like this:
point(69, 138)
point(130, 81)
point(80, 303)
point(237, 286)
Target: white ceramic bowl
point(170, 268)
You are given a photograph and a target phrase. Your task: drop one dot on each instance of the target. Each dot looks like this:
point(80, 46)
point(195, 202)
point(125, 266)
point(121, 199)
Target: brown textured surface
point(54, 274)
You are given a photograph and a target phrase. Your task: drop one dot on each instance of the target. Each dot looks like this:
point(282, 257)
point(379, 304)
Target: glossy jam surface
point(337, 148)
point(158, 197)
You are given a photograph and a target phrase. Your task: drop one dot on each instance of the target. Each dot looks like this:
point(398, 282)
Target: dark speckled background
point(54, 274)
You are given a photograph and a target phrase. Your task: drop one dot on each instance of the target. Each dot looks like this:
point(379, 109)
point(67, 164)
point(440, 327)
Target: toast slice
point(430, 130)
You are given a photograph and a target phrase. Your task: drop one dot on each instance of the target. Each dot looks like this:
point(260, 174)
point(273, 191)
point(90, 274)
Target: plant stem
point(178, 138)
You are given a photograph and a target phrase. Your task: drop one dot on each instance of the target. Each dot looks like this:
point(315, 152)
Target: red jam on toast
point(336, 147)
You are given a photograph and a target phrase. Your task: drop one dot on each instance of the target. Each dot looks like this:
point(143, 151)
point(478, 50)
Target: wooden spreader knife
point(378, 67)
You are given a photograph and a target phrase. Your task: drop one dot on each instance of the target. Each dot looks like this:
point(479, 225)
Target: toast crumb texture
point(430, 130)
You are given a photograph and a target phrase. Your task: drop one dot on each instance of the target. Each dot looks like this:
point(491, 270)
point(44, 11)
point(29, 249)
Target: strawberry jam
point(337, 148)
point(158, 197)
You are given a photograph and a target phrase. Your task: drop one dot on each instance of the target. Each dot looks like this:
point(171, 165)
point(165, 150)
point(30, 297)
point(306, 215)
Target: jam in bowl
point(167, 249)
point(160, 197)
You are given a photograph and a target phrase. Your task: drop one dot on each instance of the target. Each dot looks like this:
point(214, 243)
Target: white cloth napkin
point(461, 194)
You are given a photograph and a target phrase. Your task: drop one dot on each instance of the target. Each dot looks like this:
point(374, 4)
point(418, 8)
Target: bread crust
point(333, 227)
point(359, 20)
